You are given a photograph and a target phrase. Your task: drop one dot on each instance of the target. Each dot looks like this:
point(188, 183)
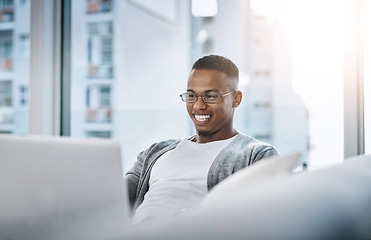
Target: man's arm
point(132, 178)
point(265, 153)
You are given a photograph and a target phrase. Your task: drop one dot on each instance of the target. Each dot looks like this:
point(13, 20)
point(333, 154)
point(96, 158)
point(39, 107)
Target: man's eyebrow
point(211, 90)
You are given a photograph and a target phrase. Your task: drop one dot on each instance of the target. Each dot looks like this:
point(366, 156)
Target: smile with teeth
point(202, 118)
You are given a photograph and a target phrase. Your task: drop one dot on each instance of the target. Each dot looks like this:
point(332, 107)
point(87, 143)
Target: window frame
point(354, 142)
point(45, 108)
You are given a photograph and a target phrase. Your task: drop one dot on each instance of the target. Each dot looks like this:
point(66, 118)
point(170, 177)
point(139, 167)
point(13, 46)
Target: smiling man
point(213, 114)
point(173, 176)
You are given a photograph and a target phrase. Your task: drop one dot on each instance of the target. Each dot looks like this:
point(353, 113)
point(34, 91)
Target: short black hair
point(219, 63)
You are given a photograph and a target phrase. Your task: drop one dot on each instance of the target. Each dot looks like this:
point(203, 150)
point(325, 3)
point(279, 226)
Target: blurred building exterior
point(130, 61)
point(14, 66)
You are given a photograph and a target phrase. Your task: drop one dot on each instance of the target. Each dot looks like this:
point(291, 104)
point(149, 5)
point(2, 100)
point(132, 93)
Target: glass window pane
point(131, 60)
point(14, 66)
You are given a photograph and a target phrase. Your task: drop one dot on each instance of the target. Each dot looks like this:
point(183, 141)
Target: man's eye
point(211, 96)
point(190, 95)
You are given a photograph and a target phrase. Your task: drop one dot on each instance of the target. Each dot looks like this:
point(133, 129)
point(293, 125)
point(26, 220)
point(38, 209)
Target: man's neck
point(205, 138)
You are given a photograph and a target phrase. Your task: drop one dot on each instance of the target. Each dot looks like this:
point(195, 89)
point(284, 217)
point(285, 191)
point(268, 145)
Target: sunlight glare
point(314, 30)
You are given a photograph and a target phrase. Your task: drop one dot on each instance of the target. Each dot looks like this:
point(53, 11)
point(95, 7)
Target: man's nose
point(200, 104)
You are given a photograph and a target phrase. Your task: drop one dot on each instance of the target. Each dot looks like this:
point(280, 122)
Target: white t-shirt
point(178, 180)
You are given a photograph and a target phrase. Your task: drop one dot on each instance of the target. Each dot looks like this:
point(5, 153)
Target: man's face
point(213, 121)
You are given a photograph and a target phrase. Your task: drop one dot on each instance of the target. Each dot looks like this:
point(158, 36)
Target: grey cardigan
point(241, 152)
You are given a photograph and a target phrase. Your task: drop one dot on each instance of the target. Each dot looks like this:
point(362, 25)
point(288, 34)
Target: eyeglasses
point(209, 97)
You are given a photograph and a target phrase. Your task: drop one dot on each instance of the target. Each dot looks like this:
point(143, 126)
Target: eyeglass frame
point(203, 97)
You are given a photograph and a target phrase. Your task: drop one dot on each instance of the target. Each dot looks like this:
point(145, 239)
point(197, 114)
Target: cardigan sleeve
point(241, 153)
point(132, 178)
point(266, 152)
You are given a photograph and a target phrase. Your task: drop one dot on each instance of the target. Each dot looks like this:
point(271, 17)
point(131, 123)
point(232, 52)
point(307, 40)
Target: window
point(98, 134)
point(98, 100)
point(6, 112)
point(96, 6)
point(23, 96)
point(105, 96)
point(24, 45)
point(5, 93)
point(6, 50)
point(6, 10)
point(100, 50)
point(106, 50)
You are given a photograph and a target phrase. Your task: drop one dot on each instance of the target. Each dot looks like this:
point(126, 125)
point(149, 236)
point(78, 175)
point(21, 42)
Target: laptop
point(61, 188)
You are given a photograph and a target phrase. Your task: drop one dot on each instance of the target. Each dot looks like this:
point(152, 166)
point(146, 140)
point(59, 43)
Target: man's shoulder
point(166, 143)
point(246, 139)
point(158, 146)
point(249, 142)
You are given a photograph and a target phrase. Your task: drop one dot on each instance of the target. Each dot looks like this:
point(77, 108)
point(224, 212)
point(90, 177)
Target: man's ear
point(237, 99)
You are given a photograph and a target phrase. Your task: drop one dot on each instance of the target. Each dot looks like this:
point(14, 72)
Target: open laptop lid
point(61, 188)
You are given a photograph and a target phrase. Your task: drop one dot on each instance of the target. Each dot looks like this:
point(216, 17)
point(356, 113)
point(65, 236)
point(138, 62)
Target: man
point(173, 176)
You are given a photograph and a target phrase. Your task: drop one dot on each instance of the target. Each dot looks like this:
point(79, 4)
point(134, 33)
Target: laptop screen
point(61, 188)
